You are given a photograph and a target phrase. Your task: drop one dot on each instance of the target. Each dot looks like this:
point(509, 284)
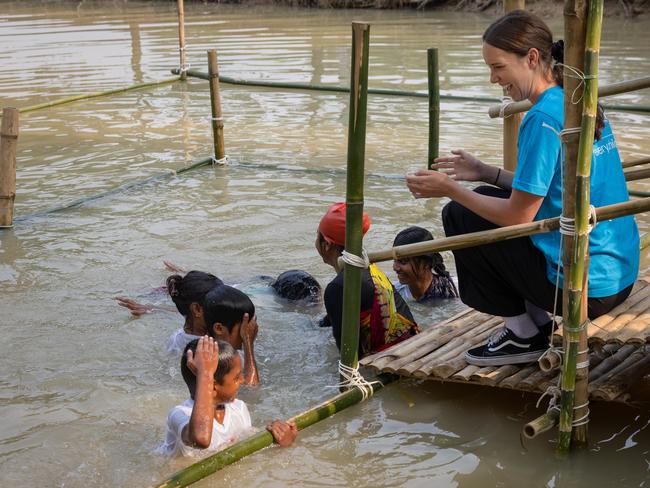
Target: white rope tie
point(353, 379)
point(225, 161)
point(358, 261)
point(505, 103)
point(216, 119)
point(555, 393)
point(552, 350)
point(584, 420)
point(577, 75)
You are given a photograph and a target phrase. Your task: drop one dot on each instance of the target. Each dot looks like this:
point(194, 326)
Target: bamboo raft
point(619, 352)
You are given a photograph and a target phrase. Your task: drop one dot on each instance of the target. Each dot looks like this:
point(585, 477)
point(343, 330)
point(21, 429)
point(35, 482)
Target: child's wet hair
point(191, 288)
point(296, 284)
point(226, 305)
point(227, 355)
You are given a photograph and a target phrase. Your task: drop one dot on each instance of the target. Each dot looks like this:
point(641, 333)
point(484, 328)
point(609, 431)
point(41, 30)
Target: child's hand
point(248, 329)
point(173, 267)
point(136, 308)
point(284, 433)
point(206, 358)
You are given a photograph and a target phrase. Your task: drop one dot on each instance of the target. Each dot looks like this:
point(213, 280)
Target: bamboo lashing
point(215, 104)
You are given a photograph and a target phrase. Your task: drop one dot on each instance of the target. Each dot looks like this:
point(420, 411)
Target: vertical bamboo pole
point(354, 192)
point(511, 123)
point(215, 101)
point(434, 105)
point(509, 5)
point(8, 143)
point(181, 39)
point(575, 16)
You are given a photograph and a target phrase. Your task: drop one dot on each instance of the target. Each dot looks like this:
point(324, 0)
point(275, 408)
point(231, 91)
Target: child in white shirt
point(213, 418)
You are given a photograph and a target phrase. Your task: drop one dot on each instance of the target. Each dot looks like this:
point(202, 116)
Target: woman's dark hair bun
point(557, 51)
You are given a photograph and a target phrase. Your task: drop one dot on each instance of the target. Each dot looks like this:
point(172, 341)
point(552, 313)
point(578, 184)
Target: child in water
point(213, 418)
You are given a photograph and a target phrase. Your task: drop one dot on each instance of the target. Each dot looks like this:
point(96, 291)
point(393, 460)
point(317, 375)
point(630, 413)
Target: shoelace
point(497, 336)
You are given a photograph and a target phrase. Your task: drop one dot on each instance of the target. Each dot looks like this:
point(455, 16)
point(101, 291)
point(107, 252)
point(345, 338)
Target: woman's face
point(516, 74)
point(408, 272)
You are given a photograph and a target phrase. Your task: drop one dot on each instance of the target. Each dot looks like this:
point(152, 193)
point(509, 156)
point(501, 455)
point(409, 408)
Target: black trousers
point(498, 278)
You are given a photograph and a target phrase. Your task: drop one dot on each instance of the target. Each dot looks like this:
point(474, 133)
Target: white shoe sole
point(521, 358)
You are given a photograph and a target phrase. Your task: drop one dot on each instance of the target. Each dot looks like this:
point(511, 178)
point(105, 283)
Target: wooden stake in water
point(181, 39)
point(215, 99)
point(511, 123)
point(434, 105)
point(354, 192)
point(8, 143)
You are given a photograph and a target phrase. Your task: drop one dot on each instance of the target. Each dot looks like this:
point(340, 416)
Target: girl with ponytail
point(515, 279)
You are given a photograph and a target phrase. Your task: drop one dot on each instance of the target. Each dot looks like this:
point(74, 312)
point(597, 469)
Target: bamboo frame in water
point(434, 105)
point(215, 103)
point(354, 192)
point(8, 144)
point(181, 40)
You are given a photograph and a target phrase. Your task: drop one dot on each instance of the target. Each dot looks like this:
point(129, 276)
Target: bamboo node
point(358, 261)
point(225, 161)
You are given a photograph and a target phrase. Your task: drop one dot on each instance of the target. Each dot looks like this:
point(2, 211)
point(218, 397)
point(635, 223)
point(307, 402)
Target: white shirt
point(178, 340)
point(236, 423)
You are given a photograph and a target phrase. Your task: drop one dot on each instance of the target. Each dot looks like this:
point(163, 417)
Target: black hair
point(296, 284)
point(226, 305)
point(442, 280)
point(227, 355)
point(519, 31)
point(191, 288)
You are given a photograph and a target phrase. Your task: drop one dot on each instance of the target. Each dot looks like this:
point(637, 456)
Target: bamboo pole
point(354, 192)
point(511, 123)
point(635, 162)
point(607, 212)
point(603, 91)
point(637, 174)
point(541, 424)
point(258, 441)
point(510, 5)
point(574, 381)
point(194, 73)
point(215, 103)
point(8, 144)
point(434, 105)
point(181, 40)
point(61, 101)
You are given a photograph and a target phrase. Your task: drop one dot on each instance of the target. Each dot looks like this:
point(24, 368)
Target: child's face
point(232, 337)
point(227, 391)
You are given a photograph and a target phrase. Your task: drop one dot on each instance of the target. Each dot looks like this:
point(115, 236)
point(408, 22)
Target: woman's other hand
point(429, 184)
point(462, 166)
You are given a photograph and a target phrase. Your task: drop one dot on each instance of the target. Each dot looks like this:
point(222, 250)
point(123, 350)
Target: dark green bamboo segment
point(215, 103)
point(8, 145)
point(541, 424)
point(354, 192)
point(434, 105)
point(606, 212)
point(207, 466)
point(181, 40)
point(61, 101)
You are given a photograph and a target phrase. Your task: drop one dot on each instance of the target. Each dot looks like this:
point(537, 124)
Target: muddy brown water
point(85, 389)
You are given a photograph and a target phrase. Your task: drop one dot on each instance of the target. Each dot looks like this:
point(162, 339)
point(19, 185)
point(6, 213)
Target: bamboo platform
point(619, 356)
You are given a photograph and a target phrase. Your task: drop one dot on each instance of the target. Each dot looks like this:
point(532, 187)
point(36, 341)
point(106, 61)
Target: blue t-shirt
point(613, 244)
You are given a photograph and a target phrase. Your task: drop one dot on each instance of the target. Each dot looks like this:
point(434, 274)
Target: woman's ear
point(533, 57)
point(219, 330)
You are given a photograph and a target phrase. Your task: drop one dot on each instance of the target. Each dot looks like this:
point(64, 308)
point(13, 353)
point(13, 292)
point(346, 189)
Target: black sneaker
point(504, 347)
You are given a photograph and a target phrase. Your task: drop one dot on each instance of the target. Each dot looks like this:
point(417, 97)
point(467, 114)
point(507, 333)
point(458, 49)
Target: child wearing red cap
point(385, 318)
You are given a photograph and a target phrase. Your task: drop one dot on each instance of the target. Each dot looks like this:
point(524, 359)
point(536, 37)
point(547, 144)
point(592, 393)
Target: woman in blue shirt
point(516, 279)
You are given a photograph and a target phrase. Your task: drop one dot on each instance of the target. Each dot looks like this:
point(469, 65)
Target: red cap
point(332, 225)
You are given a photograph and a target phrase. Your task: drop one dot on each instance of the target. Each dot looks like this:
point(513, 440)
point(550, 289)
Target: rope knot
point(358, 261)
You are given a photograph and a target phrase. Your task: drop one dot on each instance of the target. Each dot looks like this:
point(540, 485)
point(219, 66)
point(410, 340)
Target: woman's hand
point(428, 184)
point(284, 433)
point(248, 329)
point(462, 166)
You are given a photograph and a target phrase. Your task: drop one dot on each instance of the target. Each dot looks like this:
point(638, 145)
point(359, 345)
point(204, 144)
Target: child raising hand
point(213, 417)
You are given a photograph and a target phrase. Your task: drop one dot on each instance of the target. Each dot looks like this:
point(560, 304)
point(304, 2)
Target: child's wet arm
point(251, 377)
point(198, 432)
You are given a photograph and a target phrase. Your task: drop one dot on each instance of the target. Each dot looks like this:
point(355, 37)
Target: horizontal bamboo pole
point(375, 91)
point(603, 91)
point(637, 174)
point(113, 191)
point(258, 441)
point(515, 379)
point(61, 101)
point(635, 162)
point(624, 379)
point(607, 212)
point(542, 424)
